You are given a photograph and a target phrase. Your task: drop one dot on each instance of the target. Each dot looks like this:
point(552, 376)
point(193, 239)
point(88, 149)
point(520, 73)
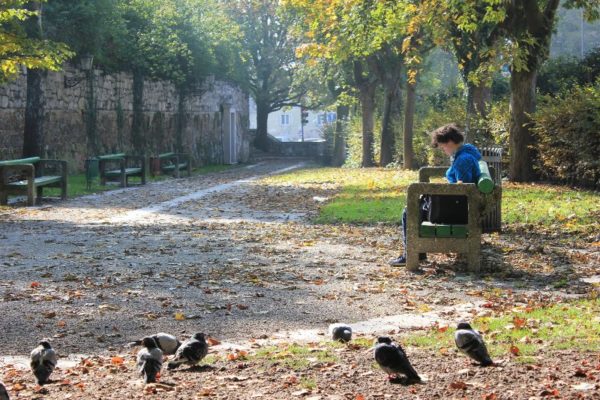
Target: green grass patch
point(572, 325)
point(294, 356)
point(77, 184)
point(549, 204)
point(375, 195)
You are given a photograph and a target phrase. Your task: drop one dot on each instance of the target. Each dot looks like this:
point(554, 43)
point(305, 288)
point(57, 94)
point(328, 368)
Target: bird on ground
point(191, 352)
point(43, 361)
point(392, 359)
point(470, 342)
point(340, 332)
point(149, 359)
point(3, 392)
point(166, 342)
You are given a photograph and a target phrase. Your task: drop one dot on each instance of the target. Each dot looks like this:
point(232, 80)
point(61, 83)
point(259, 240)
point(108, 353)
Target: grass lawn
point(572, 325)
point(78, 186)
point(374, 195)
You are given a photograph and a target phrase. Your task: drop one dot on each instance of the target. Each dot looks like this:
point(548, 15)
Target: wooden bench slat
point(30, 160)
point(128, 171)
point(116, 156)
point(40, 181)
point(166, 155)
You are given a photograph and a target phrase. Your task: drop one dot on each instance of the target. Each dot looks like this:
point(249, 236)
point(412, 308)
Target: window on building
point(331, 117)
point(285, 119)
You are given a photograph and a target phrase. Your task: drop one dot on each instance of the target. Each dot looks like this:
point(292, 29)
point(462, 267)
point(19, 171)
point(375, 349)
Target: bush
point(562, 73)
point(567, 128)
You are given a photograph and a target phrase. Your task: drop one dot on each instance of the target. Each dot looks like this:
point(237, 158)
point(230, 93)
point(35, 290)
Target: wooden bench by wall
point(29, 176)
point(173, 163)
point(120, 167)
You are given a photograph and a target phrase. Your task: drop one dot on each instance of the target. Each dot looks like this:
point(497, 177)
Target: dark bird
point(149, 359)
point(340, 332)
point(43, 361)
point(393, 360)
point(3, 392)
point(470, 342)
point(191, 352)
point(166, 342)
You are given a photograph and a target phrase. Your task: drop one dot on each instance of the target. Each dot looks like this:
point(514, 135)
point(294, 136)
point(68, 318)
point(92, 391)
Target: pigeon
point(3, 392)
point(340, 332)
point(149, 359)
point(43, 361)
point(191, 352)
point(470, 342)
point(166, 342)
point(393, 360)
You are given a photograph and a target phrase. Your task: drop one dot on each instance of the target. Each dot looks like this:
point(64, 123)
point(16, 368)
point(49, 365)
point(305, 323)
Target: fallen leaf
point(212, 341)
point(514, 350)
point(35, 285)
point(179, 317)
point(458, 385)
point(117, 360)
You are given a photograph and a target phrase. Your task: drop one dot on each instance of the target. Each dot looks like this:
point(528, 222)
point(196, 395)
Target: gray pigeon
point(149, 359)
point(3, 392)
point(393, 360)
point(470, 342)
point(166, 342)
point(191, 352)
point(340, 332)
point(43, 361)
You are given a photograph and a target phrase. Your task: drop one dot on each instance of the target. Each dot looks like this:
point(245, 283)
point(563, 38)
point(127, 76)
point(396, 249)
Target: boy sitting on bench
point(464, 169)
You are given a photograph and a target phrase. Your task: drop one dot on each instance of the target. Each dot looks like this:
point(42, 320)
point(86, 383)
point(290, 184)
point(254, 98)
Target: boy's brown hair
point(445, 134)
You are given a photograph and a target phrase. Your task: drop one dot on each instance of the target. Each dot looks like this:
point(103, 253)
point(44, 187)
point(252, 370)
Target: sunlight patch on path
point(143, 214)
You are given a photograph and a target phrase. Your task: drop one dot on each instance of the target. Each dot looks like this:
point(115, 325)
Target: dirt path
point(221, 253)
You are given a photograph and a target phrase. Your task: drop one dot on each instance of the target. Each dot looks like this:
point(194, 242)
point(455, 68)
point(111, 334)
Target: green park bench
point(120, 167)
point(484, 213)
point(30, 176)
point(173, 163)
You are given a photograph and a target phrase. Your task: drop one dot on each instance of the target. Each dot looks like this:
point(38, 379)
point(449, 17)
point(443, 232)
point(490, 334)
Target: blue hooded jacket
point(465, 165)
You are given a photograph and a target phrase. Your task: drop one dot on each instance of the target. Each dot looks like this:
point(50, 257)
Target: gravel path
point(223, 253)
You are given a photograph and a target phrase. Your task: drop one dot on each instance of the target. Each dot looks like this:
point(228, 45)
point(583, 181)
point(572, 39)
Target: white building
point(286, 125)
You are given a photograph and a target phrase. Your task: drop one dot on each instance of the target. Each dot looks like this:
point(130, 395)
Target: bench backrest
point(30, 160)
point(116, 156)
point(485, 184)
point(166, 155)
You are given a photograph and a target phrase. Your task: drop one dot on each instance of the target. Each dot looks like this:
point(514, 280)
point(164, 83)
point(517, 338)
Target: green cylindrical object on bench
point(485, 184)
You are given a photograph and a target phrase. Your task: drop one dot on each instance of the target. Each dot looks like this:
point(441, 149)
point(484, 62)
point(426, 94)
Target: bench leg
point(474, 256)
point(123, 180)
point(3, 198)
point(31, 193)
point(63, 189)
point(412, 260)
point(40, 193)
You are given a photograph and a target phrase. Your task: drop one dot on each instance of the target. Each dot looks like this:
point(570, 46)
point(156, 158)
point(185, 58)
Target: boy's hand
point(459, 181)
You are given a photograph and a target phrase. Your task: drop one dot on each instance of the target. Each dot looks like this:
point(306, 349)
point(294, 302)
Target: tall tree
point(271, 57)
point(18, 49)
point(529, 24)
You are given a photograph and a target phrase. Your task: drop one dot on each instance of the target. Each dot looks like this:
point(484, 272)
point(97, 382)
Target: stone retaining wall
point(67, 110)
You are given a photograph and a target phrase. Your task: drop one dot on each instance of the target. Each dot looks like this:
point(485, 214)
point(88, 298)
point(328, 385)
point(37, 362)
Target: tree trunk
point(367, 100)
point(137, 124)
point(33, 135)
point(409, 116)
point(339, 140)
point(388, 137)
point(261, 140)
point(33, 140)
point(180, 121)
point(522, 104)
point(479, 99)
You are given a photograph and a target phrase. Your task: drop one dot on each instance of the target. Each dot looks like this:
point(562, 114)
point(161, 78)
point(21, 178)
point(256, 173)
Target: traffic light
point(304, 114)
